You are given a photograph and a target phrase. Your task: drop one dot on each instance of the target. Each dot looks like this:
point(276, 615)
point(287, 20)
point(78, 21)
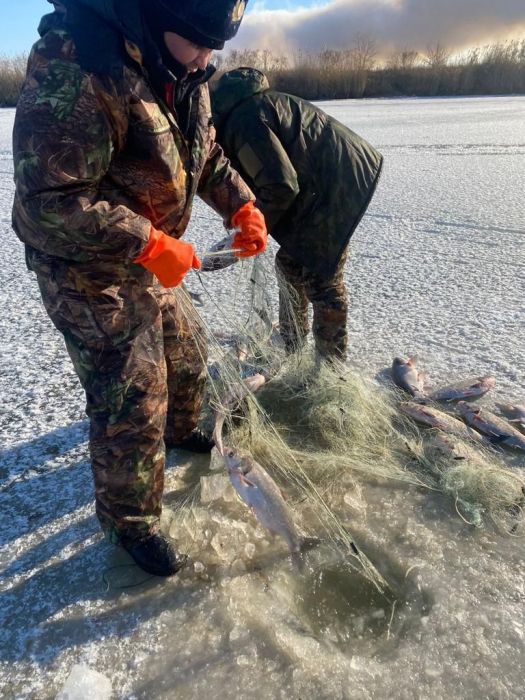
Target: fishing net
point(482, 486)
point(318, 429)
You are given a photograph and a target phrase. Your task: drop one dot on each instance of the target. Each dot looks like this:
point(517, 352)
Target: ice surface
point(437, 268)
point(83, 683)
point(216, 486)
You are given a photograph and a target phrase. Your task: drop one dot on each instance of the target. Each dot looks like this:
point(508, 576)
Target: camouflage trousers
point(140, 355)
point(298, 287)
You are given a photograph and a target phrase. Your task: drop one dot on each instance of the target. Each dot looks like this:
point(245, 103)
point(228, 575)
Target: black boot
point(197, 441)
point(155, 554)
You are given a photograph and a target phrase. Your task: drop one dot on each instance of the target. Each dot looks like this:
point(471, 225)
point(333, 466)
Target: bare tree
point(437, 56)
point(404, 60)
point(364, 52)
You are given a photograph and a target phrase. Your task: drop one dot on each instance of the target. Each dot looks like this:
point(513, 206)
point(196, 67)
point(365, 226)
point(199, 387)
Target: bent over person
point(313, 179)
point(112, 139)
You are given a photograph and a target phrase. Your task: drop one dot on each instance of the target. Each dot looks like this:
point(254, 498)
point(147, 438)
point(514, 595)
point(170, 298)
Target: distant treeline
point(12, 72)
point(497, 69)
point(356, 72)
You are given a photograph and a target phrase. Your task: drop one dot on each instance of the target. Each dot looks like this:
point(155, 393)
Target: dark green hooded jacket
point(312, 176)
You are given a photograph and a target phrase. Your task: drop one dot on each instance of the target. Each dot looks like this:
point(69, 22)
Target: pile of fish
point(470, 422)
point(456, 435)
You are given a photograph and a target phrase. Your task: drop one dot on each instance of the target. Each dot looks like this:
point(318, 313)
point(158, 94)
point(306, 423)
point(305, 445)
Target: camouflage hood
point(103, 24)
point(123, 16)
point(234, 87)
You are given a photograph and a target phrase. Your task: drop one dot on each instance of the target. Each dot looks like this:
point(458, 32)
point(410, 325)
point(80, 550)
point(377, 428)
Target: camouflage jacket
point(313, 177)
point(99, 155)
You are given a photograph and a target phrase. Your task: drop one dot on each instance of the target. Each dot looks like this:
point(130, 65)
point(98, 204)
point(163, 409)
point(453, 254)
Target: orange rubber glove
point(168, 258)
point(253, 235)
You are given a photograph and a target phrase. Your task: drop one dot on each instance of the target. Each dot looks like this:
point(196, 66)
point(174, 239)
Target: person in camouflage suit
point(313, 179)
point(113, 138)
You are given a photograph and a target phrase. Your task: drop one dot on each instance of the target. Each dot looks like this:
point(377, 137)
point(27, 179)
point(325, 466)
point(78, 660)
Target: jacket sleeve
point(69, 125)
point(267, 167)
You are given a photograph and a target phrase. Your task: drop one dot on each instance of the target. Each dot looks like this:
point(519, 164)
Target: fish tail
point(497, 439)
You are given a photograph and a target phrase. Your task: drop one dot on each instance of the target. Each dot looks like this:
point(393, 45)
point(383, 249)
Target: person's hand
point(168, 258)
point(252, 235)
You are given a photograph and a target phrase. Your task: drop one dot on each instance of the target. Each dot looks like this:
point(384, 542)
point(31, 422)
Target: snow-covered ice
point(437, 268)
point(85, 684)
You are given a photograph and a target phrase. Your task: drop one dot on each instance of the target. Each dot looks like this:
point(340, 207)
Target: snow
point(85, 684)
point(436, 268)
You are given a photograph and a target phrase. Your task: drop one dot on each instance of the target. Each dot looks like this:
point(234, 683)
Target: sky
point(313, 25)
point(20, 18)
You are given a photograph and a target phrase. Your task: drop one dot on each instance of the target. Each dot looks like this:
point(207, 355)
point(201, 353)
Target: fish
point(260, 493)
point(455, 449)
point(242, 350)
point(255, 381)
point(239, 391)
point(468, 388)
point(196, 298)
point(438, 419)
point(515, 413)
point(499, 430)
point(220, 255)
point(232, 400)
point(408, 378)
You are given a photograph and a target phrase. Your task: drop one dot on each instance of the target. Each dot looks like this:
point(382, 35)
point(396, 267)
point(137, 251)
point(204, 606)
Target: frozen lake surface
point(437, 268)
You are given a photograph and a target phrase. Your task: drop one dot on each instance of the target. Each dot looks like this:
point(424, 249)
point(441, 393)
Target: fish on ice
point(428, 415)
point(497, 429)
point(406, 375)
point(468, 388)
point(262, 495)
point(457, 450)
point(241, 390)
point(514, 412)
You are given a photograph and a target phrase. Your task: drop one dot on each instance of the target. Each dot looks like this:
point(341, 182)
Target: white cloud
point(394, 24)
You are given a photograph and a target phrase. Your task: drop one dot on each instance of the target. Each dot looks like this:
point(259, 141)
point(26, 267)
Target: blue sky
point(20, 19)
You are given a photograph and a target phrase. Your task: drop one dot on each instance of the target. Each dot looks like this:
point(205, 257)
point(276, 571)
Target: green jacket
point(99, 153)
point(313, 177)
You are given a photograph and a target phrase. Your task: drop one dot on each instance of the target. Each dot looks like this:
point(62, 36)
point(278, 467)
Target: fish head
point(398, 362)
point(516, 412)
point(236, 461)
point(487, 382)
point(466, 408)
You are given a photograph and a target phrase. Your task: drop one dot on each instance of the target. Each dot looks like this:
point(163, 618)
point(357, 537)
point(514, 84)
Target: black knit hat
point(207, 23)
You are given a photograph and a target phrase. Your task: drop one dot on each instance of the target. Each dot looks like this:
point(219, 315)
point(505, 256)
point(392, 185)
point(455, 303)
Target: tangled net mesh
point(482, 487)
point(320, 429)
